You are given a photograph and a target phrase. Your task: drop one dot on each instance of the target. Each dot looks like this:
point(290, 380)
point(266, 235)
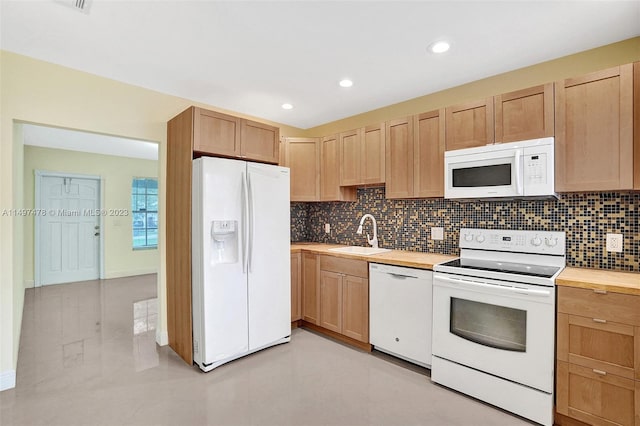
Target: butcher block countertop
point(613, 281)
point(411, 259)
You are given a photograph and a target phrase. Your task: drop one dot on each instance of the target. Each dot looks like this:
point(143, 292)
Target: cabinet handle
point(598, 291)
point(601, 321)
point(600, 372)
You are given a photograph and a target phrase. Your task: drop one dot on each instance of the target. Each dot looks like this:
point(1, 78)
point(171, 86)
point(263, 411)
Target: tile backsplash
point(406, 224)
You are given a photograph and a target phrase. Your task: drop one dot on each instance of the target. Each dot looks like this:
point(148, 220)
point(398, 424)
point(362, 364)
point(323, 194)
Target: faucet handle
point(373, 241)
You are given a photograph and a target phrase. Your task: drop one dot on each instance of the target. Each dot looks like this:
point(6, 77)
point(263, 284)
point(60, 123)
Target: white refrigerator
point(241, 272)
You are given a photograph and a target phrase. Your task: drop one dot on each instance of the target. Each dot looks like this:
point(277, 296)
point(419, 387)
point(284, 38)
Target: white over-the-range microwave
point(506, 170)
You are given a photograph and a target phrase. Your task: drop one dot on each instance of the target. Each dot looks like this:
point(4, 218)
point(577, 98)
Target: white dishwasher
point(400, 312)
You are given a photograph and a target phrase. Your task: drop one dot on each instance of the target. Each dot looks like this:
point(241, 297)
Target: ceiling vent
point(79, 5)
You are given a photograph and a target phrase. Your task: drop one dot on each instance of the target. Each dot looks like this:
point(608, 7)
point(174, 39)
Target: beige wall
point(120, 260)
point(39, 92)
point(569, 66)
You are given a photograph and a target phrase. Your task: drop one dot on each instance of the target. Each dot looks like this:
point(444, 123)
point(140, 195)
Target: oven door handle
point(494, 287)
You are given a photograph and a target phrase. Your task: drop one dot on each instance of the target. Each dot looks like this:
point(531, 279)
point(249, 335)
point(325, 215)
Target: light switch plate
point(614, 242)
point(437, 233)
point(327, 228)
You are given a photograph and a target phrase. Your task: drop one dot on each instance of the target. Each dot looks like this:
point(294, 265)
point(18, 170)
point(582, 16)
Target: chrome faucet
point(373, 241)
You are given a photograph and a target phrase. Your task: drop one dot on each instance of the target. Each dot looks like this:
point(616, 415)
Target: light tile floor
point(88, 357)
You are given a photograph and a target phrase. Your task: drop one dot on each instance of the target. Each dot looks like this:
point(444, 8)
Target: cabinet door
point(296, 286)
point(355, 308)
point(303, 158)
point(350, 158)
point(259, 142)
point(373, 159)
point(594, 131)
point(215, 133)
point(524, 114)
point(399, 158)
point(311, 288)
point(601, 399)
point(331, 301)
point(599, 343)
point(330, 189)
point(636, 130)
point(470, 124)
point(428, 154)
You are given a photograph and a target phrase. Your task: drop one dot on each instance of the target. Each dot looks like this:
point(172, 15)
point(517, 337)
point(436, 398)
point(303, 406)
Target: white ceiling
point(251, 57)
point(73, 140)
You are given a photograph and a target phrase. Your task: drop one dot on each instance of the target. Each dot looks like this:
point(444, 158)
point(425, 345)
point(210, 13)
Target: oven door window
point(489, 325)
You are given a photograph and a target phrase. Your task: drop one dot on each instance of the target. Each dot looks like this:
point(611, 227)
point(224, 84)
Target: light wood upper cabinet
point(311, 288)
point(302, 156)
point(428, 154)
point(470, 124)
point(296, 286)
point(259, 142)
point(330, 189)
point(636, 125)
point(399, 158)
point(224, 135)
point(216, 133)
point(594, 131)
point(362, 159)
point(524, 114)
point(350, 158)
point(372, 168)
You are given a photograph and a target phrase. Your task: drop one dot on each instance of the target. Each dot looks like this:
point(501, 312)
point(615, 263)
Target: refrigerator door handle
point(251, 222)
point(245, 204)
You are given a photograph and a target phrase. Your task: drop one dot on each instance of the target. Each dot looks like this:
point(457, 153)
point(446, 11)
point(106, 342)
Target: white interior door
point(68, 235)
point(269, 255)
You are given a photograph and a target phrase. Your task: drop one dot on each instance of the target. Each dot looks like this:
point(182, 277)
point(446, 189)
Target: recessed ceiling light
point(439, 46)
point(346, 83)
point(287, 106)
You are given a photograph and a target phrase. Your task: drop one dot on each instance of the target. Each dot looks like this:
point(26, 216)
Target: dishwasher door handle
point(400, 276)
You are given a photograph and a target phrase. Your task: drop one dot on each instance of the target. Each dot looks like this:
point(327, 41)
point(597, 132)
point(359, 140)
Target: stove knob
point(536, 241)
point(480, 238)
point(468, 237)
point(551, 242)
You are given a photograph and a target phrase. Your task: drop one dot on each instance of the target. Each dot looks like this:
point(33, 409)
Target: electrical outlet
point(614, 242)
point(327, 228)
point(437, 233)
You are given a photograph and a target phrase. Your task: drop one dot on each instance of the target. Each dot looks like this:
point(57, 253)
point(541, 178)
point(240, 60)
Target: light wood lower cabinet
point(344, 297)
point(311, 288)
point(296, 286)
point(331, 301)
point(598, 356)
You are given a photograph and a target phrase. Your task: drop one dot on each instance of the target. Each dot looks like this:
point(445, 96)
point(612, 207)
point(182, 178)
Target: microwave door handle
point(518, 160)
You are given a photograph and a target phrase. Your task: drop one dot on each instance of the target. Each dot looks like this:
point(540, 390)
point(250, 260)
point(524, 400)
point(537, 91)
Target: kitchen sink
point(363, 251)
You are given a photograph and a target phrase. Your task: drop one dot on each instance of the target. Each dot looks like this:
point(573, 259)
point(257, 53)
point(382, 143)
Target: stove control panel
point(543, 242)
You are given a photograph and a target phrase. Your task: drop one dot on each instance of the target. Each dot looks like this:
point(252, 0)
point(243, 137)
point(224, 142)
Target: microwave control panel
point(538, 173)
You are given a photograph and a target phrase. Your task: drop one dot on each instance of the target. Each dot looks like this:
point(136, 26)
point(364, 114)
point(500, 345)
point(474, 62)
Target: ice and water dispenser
point(224, 236)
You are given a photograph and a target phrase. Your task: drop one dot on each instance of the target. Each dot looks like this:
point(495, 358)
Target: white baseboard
point(29, 283)
point(162, 337)
point(7, 380)
point(130, 273)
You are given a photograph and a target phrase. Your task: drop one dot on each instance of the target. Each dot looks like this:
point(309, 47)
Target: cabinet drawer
point(599, 344)
point(597, 399)
point(616, 307)
point(341, 265)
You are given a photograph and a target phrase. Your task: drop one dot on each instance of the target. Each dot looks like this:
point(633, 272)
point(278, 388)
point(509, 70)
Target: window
point(144, 212)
